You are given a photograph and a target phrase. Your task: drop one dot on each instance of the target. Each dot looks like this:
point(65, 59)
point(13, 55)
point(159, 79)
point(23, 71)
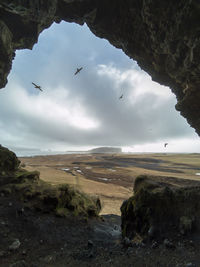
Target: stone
point(127, 242)
point(15, 245)
point(151, 231)
point(2, 253)
point(9, 162)
point(160, 205)
point(154, 244)
point(48, 259)
point(168, 244)
point(186, 224)
point(21, 263)
point(190, 265)
point(90, 243)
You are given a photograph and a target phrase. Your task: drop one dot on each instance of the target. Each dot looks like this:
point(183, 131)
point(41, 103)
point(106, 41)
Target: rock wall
point(162, 36)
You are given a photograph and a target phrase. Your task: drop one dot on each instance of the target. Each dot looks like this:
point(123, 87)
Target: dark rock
point(21, 263)
point(190, 265)
point(164, 206)
point(15, 245)
point(90, 244)
point(154, 244)
point(168, 244)
point(163, 37)
point(2, 253)
point(127, 242)
point(9, 162)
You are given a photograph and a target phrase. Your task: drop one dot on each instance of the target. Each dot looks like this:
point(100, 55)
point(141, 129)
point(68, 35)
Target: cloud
point(84, 110)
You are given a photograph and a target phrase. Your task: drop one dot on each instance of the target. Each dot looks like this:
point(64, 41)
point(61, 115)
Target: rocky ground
point(53, 226)
point(31, 238)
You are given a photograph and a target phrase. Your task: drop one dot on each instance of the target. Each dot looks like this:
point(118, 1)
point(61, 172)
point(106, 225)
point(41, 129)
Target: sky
point(83, 111)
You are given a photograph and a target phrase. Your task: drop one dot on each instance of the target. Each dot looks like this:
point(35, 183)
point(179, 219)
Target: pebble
point(154, 244)
point(90, 243)
point(127, 242)
point(15, 245)
point(2, 253)
point(10, 204)
point(48, 259)
point(21, 263)
point(168, 244)
point(190, 265)
point(151, 232)
point(24, 252)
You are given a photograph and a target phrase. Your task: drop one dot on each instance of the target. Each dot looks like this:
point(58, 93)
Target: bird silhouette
point(165, 144)
point(78, 70)
point(121, 96)
point(37, 86)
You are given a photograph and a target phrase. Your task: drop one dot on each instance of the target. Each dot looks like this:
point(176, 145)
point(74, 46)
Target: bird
point(78, 70)
point(37, 86)
point(165, 144)
point(121, 96)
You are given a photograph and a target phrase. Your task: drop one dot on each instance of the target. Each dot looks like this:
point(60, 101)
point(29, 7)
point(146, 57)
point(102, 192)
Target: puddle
point(104, 179)
point(75, 167)
point(88, 168)
point(65, 169)
point(79, 171)
point(197, 173)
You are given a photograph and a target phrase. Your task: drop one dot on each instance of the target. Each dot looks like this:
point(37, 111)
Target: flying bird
point(37, 86)
point(78, 70)
point(121, 96)
point(165, 144)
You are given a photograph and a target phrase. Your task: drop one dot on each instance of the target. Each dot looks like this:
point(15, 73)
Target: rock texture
point(38, 195)
point(159, 210)
point(162, 36)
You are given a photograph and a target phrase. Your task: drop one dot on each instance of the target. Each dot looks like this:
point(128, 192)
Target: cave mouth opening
point(83, 111)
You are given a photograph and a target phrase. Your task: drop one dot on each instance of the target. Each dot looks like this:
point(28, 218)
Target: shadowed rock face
point(159, 209)
point(162, 36)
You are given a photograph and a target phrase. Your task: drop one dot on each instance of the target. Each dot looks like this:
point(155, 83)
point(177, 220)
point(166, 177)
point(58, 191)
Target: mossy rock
point(167, 209)
point(42, 196)
point(9, 162)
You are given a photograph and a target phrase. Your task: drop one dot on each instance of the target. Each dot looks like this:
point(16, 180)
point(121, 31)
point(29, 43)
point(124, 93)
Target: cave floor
point(46, 240)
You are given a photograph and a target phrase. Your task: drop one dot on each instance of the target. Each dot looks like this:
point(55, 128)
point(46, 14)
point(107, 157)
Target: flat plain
point(111, 176)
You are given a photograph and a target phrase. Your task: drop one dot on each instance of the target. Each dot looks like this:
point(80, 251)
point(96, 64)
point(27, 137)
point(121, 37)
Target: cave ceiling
point(162, 36)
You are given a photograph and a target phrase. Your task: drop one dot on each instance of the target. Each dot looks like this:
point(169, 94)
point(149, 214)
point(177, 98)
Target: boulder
point(9, 162)
point(167, 208)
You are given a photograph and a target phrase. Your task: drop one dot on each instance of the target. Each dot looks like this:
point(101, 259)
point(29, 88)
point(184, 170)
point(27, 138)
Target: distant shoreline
point(55, 153)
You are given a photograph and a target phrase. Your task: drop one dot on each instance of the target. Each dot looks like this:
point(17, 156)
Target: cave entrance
point(111, 102)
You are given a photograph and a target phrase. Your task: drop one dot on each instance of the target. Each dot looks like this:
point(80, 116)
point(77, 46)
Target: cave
point(163, 37)
point(167, 49)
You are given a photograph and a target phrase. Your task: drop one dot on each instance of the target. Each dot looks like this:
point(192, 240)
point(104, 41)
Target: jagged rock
point(165, 207)
point(163, 37)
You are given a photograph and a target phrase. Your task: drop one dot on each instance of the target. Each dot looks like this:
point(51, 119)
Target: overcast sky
point(84, 111)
